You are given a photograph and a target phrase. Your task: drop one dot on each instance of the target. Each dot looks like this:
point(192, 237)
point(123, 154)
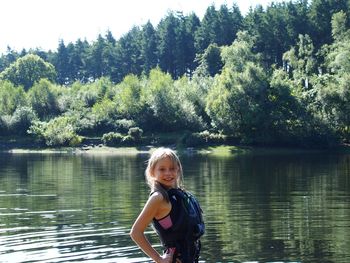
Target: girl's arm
point(144, 219)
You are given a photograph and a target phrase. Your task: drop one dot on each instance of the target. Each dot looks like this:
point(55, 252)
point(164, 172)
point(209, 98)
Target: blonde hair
point(156, 156)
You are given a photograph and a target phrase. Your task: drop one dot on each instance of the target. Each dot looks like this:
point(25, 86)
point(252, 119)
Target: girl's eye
point(163, 169)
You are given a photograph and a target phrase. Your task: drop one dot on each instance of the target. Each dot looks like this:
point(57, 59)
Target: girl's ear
point(151, 172)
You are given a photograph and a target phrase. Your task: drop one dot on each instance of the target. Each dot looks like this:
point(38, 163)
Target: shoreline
point(18, 145)
point(218, 150)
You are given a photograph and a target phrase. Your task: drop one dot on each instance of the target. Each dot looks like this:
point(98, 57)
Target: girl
point(164, 209)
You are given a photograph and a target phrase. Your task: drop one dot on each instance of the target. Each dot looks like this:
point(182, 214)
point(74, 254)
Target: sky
point(43, 23)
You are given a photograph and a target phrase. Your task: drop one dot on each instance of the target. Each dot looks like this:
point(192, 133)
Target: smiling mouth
point(168, 179)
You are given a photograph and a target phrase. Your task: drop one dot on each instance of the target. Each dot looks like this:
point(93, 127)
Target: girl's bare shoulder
point(156, 197)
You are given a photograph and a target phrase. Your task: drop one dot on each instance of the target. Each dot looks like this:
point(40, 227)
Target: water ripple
point(70, 244)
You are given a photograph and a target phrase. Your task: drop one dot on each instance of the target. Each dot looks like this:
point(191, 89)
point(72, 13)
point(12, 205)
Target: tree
point(218, 26)
point(96, 64)
point(148, 44)
point(191, 103)
point(297, 19)
point(210, 62)
point(333, 93)
point(320, 15)
point(192, 23)
point(276, 30)
point(168, 111)
point(167, 44)
point(78, 58)
point(287, 114)
point(337, 57)
point(159, 99)
point(128, 58)
point(230, 22)
point(276, 35)
point(110, 38)
point(237, 101)
point(28, 70)
point(128, 97)
point(10, 57)
point(301, 62)
point(62, 64)
point(176, 49)
point(59, 131)
point(42, 97)
point(205, 34)
point(131, 47)
point(11, 97)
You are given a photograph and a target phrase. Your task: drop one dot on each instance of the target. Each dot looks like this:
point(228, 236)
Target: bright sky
point(42, 23)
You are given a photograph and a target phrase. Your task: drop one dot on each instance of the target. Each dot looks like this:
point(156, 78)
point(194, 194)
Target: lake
point(258, 207)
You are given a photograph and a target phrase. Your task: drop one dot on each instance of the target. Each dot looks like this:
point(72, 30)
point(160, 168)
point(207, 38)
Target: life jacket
point(187, 226)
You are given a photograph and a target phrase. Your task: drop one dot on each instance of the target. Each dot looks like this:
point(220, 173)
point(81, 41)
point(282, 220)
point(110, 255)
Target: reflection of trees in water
point(266, 207)
point(277, 206)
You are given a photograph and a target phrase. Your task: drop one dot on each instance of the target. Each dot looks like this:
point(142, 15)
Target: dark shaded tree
point(148, 43)
point(191, 24)
point(210, 62)
point(79, 58)
point(205, 34)
point(320, 15)
point(230, 22)
point(10, 57)
point(96, 65)
point(166, 30)
point(218, 26)
point(62, 64)
point(128, 55)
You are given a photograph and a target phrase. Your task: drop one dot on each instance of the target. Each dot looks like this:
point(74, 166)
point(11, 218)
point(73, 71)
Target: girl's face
point(166, 173)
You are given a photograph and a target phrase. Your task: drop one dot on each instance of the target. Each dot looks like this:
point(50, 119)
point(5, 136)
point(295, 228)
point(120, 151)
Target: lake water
point(271, 207)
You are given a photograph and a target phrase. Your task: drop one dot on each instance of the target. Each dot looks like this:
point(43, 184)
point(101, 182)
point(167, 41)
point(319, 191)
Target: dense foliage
point(278, 76)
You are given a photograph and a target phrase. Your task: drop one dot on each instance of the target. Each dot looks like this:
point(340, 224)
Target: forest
point(277, 76)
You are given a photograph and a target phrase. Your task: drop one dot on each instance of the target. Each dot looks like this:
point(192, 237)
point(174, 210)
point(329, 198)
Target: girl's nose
point(168, 171)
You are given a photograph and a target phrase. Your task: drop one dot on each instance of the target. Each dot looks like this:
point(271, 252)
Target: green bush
point(123, 125)
point(112, 138)
point(136, 133)
point(56, 132)
point(203, 138)
point(161, 139)
point(128, 140)
point(22, 119)
point(18, 123)
point(117, 139)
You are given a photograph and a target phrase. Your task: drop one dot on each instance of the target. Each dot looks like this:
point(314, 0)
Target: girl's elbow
point(134, 233)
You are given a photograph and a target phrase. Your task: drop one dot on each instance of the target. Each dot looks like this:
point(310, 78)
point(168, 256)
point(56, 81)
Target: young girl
point(163, 209)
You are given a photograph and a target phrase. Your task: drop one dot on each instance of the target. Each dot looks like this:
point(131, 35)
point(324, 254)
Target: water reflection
point(276, 208)
point(258, 208)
